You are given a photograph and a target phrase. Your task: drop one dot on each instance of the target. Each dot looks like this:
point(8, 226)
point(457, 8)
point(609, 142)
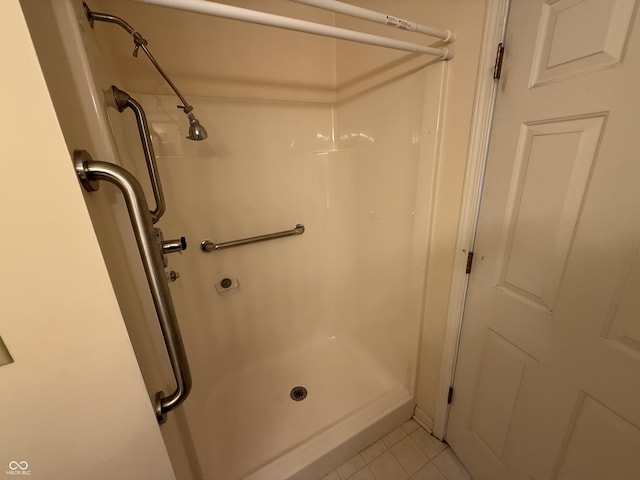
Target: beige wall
point(73, 404)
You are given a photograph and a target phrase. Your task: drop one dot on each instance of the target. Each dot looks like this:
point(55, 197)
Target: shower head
point(196, 130)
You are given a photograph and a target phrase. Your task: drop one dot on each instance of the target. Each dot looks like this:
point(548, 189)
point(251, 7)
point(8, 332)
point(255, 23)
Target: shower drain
point(298, 393)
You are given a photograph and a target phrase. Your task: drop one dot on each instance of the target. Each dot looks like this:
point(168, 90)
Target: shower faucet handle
point(169, 246)
point(175, 245)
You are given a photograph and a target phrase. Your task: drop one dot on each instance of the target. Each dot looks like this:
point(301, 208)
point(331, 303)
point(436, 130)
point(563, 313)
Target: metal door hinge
point(469, 262)
point(497, 69)
point(450, 396)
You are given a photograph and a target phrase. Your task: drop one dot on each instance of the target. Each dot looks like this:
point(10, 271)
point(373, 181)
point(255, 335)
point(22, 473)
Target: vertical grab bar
point(124, 100)
point(90, 173)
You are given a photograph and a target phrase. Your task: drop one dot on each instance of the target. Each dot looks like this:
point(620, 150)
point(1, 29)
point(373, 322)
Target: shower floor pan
point(253, 430)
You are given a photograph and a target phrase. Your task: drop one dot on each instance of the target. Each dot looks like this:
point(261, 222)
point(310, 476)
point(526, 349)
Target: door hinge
point(469, 262)
point(497, 68)
point(450, 396)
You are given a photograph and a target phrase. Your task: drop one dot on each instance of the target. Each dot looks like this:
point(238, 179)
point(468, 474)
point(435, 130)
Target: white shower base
point(254, 430)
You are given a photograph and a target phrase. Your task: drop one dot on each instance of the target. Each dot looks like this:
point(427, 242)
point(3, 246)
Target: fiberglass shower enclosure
point(337, 136)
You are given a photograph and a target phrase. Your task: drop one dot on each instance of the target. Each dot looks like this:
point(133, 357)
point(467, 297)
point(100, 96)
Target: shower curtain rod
point(262, 18)
point(390, 20)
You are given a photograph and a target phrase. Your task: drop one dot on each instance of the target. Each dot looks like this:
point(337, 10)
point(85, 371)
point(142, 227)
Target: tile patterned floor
point(406, 453)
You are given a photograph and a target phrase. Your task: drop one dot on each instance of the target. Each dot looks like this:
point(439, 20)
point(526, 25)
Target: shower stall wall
point(351, 154)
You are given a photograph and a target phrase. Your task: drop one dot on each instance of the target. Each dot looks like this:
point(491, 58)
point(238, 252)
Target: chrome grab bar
point(124, 100)
point(209, 246)
point(90, 173)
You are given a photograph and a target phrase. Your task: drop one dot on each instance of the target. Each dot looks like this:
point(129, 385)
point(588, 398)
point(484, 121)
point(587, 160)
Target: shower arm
point(140, 42)
point(124, 100)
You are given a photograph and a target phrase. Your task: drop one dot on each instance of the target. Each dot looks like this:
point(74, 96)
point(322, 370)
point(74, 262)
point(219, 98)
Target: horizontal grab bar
point(209, 246)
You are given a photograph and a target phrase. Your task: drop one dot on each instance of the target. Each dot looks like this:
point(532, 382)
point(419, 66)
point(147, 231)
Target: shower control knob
point(176, 245)
point(169, 246)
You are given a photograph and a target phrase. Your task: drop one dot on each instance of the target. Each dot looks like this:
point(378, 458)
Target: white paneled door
point(547, 384)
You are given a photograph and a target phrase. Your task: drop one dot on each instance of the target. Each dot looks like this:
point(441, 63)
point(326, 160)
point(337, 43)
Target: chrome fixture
point(90, 173)
point(169, 246)
point(123, 100)
point(209, 246)
point(196, 130)
point(176, 245)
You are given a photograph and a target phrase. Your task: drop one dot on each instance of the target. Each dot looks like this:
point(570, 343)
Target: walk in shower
point(305, 346)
